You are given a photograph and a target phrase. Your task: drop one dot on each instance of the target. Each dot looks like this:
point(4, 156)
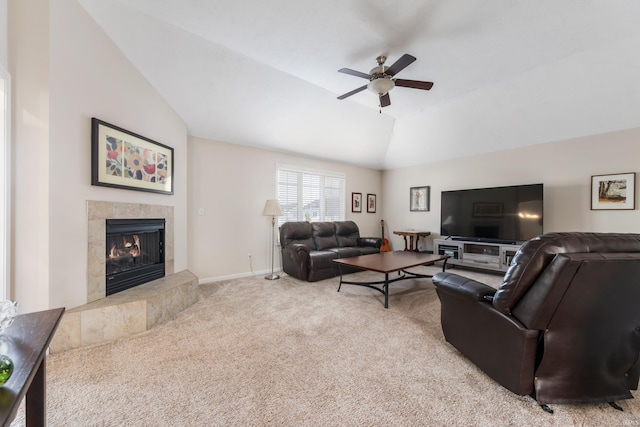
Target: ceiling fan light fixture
point(381, 79)
point(381, 85)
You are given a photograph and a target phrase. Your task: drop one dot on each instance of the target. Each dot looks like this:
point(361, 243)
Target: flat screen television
point(500, 214)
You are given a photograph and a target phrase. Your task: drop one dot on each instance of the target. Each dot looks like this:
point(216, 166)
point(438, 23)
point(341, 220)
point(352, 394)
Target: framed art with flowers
point(123, 159)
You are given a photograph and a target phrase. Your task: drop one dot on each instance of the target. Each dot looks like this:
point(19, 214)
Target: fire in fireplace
point(135, 252)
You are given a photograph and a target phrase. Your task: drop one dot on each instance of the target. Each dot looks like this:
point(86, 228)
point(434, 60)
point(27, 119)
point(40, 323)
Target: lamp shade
point(272, 208)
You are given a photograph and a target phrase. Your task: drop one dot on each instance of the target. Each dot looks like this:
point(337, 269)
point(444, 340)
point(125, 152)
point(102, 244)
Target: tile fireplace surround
point(133, 310)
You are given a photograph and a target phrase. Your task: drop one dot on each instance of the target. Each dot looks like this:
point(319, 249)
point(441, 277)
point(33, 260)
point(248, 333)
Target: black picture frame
point(356, 202)
point(419, 199)
point(371, 203)
point(123, 159)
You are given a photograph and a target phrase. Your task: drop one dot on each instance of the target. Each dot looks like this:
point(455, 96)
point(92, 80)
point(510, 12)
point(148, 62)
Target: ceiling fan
point(381, 79)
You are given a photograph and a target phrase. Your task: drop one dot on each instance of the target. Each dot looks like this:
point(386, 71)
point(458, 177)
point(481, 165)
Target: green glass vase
point(6, 368)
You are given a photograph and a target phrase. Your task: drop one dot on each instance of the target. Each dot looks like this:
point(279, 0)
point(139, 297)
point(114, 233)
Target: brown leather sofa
point(564, 326)
point(309, 247)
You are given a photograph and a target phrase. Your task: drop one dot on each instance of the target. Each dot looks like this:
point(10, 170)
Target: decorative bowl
point(8, 310)
point(6, 368)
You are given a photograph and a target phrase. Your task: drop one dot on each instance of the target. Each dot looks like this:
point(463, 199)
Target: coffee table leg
point(386, 290)
point(340, 270)
point(35, 410)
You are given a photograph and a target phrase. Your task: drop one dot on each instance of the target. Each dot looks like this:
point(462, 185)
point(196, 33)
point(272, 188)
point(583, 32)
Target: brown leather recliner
point(564, 326)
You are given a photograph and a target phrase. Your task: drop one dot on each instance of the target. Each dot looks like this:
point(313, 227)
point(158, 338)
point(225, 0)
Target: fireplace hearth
point(134, 252)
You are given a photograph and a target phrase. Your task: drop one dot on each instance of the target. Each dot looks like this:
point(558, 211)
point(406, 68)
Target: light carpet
point(254, 352)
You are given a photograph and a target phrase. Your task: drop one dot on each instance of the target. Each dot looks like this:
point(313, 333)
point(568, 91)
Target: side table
point(411, 235)
point(26, 341)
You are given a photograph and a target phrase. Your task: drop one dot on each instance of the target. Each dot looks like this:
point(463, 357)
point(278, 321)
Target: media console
point(468, 253)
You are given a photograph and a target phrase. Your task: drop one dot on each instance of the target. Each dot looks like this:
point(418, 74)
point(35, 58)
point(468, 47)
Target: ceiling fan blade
point(385, 100)
point(415, 84)
point(400, 64)
point(353, 92)
point(354, 73)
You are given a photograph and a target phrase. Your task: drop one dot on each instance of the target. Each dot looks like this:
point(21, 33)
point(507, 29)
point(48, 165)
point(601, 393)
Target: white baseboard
point(236, 276)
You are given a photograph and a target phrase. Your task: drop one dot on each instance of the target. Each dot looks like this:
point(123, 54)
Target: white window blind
point(310, 195)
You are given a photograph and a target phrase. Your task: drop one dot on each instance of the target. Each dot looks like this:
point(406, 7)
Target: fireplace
point(135, 252)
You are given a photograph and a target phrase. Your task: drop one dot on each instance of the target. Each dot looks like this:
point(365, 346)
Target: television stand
point(475, 254)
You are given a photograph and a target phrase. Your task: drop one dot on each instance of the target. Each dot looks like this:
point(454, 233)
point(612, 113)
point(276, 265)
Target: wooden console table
point(26, 342)
point(411, 235)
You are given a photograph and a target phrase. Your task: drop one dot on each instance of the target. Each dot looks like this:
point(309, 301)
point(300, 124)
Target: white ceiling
point(506, 73)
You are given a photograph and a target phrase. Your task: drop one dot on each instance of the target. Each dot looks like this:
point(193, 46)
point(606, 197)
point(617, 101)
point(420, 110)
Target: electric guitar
point(385, 243)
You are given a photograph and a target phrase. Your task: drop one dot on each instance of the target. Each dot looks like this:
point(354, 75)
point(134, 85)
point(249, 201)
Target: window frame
point(5, 185)
point(300, 194)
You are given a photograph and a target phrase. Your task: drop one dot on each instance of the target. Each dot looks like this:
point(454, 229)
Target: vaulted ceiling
point(506, 73)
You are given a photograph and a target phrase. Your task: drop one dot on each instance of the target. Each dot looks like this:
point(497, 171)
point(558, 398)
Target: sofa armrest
point(497, 343)
point(295, 260)
point(298, 248)
point(374, 242)
point(454, 284)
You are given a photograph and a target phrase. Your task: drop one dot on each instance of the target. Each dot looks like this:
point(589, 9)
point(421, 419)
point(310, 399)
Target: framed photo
point(613, 192)
point(371, 203)
point(419, 199)
point(123, 159)
point(356, 202)
point(488, 210)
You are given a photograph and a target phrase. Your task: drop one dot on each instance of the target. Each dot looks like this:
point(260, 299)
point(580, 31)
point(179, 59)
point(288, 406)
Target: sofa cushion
point(324, 235)
point(347, 233)
point(536, 254)
point(346, 252)
point(297, 232)
point(367, 250)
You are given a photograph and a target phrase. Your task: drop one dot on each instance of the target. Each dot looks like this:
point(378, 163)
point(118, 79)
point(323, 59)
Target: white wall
point(74, 72)
point(5, 154)
point(4, 12)
point(565, 168)
point(28, 65)
point(231, 183)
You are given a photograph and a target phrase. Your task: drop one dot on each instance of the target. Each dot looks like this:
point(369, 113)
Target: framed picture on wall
point(613, 192)
point(419, 199)
point(123, 159)
point(356, 202)
point(371, 203)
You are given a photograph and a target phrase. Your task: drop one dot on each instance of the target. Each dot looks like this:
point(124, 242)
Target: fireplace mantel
point(97, 214)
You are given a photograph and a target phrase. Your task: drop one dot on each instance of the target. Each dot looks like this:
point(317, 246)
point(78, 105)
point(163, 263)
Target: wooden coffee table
point(389, 262)
point(27, 341)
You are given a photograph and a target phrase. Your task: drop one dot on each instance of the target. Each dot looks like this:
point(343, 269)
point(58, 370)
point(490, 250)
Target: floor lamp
point(272, 208)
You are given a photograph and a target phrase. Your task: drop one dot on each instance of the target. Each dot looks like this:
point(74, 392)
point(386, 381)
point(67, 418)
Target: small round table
point(411, 235)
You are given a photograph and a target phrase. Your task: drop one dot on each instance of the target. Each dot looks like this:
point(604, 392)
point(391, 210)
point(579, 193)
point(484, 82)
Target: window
point(310, 195)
